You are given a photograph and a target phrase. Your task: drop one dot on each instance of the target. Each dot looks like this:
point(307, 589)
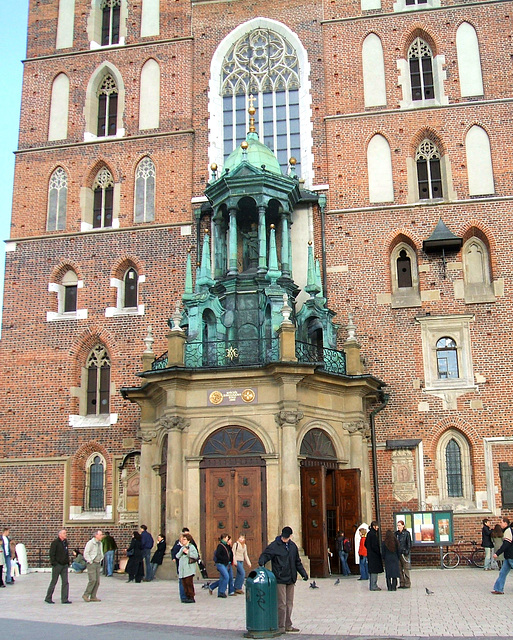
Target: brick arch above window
point(80, 483)
point(127, 276)
point(106, 80)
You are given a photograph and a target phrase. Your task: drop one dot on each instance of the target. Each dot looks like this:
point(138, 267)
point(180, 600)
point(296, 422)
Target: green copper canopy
point(256, 154)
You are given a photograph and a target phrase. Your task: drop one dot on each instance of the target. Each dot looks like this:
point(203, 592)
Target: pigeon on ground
point(337, 581)
point(429, 593)
point(313, 585)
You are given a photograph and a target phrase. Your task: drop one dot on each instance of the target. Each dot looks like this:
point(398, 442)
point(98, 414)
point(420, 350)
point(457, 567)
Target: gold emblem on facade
point(232, 353)
point(248, 395)
point(216, 397)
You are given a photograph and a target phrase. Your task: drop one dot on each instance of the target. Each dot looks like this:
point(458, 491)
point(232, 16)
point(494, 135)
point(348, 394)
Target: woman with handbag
point(187, 559)
point(134, 566)
point(223, 558)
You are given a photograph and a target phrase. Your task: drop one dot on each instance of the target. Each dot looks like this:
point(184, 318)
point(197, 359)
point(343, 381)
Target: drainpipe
point(322, 206)
point(384, 397)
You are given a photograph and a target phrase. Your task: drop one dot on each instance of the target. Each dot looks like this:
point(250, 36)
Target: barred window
point(420, 59)
point(429, 174)
point(265, 64)
point(103, 188)
point(453, 469)
point(111, 10)
point(145, 191)
point(107, 107)
point(98, 381)
point(57, 200)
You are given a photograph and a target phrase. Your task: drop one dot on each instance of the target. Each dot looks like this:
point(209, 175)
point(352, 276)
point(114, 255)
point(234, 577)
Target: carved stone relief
point(403, 475)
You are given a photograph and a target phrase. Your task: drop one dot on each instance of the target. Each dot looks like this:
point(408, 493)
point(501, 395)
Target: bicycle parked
point(452, 557)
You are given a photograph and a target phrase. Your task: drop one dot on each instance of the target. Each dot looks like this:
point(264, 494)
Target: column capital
point(174, 423)
point(288, 418)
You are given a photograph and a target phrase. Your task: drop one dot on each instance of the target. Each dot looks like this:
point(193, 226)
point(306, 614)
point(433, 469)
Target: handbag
point(192, 560)
point(130, 552)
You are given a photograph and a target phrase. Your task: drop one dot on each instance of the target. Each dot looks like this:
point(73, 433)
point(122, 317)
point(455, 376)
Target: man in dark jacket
point(373, 546)
point(146, 546)
point(109, 551)
point(285, 564)
point(507, 549)
point(404, 539)
point(59, 559)
point(487, 544)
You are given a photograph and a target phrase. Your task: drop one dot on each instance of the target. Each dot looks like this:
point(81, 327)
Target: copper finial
point(251, 112)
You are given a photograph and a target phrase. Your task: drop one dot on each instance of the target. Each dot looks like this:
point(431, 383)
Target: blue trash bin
point(261, 604)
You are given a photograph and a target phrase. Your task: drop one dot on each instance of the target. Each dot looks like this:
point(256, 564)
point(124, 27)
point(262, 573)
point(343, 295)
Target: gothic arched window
point(130, 288)
point(145, 191)
point(96, 488)
point(57, 200)
point(420, 59)
point(111, 11)
point(429, 174)
point(262, 63)
point(98, 381)
point(107, 107)
point(453, 469)
point(103, 188)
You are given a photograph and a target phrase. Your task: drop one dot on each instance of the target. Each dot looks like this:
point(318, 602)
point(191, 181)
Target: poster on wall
point(428, 527)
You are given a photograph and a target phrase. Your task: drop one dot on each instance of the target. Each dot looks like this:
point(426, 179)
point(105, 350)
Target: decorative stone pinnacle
point(177, 316)
point(351, 329)
point(148, 341)
point(286, 310)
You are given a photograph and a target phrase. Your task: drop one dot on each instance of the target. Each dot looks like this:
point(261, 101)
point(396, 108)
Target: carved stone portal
point(403, 475)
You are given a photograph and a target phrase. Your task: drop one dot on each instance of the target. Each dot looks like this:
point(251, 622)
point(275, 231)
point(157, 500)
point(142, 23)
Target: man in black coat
point(404, 539)
point(373, 547)
point(285, 564)
point(59, 559)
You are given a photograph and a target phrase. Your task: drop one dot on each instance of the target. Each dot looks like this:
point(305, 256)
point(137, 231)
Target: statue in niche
point(250, 248)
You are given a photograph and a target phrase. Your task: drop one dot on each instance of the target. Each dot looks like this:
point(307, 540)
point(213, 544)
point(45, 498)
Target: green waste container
point(261, 604)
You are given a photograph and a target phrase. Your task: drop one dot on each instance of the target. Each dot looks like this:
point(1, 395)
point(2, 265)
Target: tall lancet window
point(262, 63)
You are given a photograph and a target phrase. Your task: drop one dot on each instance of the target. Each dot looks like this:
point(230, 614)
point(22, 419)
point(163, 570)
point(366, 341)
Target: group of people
point(394, 553)
point(504, 549)
point(141, 564)
point(8, 561)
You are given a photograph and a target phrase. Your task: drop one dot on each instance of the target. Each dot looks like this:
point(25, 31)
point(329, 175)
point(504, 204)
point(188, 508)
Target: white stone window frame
point(467, 500)
point(119, 309)
point(60, 289)
point(439, 76)
point(477, 292)
point(91, 102)
point(403, 297)
point(87, 205)
point(94, 25)
point(79, 512)
point(215, 99)
point(448, 192)
point(401, 5)
point(456, 327)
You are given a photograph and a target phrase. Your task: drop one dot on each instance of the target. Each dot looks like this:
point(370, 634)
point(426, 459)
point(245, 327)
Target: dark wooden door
point(233, 503)
point(313, 498)
point(348, 498)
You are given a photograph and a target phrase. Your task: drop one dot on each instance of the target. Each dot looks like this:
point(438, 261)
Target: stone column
point(290, 478)
point(175, 427)
point(285, 246)
point(219, 240)
point(262, 240)
point(149, 457)
point(232, 258)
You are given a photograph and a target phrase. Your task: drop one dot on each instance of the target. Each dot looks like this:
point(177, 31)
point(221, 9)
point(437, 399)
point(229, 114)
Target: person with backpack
point(343, 548)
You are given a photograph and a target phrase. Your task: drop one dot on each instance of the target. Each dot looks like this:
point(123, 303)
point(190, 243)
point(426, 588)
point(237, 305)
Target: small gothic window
point(421, 71)
point(429, 174)
point(70, 284)
point(57, 200)
point(130, 288)
point(107, 107)
point(103, 188)
point(447, 359)
point(145, 191)
point(110, 21)
point(453, 469)
point(414, 2)
point(96, 488)
point(98, 382)
point(317, 444)
point(232, 441)
point(404, 278)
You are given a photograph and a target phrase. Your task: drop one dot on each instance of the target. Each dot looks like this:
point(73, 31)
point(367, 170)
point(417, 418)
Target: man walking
point(93, 555)
point(146, 546)
point(404, 539)
point(6, 541)
point(507, 549)
point(59, 559)
point(487, 544)
point(286, 564)
point(109, 547)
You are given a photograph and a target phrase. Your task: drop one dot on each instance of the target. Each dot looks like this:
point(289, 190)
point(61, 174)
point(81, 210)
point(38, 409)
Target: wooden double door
point(331, 502)
point(233, 502)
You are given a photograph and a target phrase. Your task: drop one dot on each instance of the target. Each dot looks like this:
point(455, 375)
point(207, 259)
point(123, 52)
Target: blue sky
point(13, 44)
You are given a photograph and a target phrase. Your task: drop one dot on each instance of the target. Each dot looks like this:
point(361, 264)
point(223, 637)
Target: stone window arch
point(94, 498)
point(318, 445)
point(454, 470)
point(126, 281)
point(105, 103)
point(429, 172)
point(98, 381)
point(106, 26)
point(263, 58)
point(107, 107)
point(422, 75)
point(404, 276)
point(103, 205)
point(477, 277)
point(57, 200)
point(145, 178)
point(66, 286)
point(232, 441)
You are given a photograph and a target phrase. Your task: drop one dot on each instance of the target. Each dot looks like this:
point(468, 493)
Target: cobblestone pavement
point(461, 605)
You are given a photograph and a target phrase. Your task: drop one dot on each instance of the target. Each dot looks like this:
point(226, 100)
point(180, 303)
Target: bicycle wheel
point(478, 557)
point(450, 560)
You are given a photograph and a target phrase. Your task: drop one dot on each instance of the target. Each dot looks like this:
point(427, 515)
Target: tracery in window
point(420, 60)
point(111, 11)
point(103, 188)
point(95, 489)
point(317, 444)
point(107, 107)
point(263, 63)
point(145, 191)
point(57, 200)
point(447, 359)
point(429, 175)
point(98, 381)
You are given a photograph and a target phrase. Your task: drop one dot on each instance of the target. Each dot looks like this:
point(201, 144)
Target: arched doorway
point(330, 501)
point(233, 490)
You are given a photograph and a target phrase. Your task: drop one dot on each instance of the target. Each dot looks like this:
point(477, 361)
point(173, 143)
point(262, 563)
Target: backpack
point(347, 545)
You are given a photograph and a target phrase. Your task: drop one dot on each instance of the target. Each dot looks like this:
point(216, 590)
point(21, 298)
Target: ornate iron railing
point(250, 353)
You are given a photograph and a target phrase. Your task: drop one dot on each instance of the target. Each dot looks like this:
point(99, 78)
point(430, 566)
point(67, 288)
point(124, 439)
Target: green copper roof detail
point(256, 154)
point(205, 274)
